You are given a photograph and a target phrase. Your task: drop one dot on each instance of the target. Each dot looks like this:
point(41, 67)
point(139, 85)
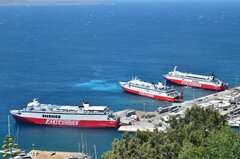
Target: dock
point(226, 102)
point(39, 154)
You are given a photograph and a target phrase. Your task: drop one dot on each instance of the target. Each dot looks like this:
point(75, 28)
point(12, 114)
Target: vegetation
point(201, 133)
point(148, 116)
point(9, 147)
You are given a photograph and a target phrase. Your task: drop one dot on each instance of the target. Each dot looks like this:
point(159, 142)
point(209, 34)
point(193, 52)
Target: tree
point(201, 133)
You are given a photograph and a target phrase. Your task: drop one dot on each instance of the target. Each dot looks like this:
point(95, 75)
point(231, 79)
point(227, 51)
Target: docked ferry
point(64, 115)
point(151, 90)
point(194, 80)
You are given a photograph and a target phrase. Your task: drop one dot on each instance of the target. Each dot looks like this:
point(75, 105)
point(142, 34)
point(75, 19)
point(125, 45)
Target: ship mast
point(9, 130)
point(95, 151)
point(82, 143)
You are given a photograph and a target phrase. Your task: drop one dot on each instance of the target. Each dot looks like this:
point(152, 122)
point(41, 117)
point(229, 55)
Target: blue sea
point(67, 54)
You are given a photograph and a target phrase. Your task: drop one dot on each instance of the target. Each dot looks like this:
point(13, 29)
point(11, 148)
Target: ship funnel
point(86, 104)
point(175, 68)
point(34, 103)
point(160, 85)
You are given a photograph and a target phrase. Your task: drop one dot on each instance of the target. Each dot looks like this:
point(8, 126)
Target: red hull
point(197, 85)
point(150, 95)
point(68, 123)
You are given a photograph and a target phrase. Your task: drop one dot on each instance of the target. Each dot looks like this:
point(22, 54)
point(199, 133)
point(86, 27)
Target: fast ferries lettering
point(194, 84)
point(61, 122)
point(146, 94)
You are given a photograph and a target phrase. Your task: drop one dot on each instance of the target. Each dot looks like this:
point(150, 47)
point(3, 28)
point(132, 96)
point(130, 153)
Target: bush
point(148, 116)
point(201, 133)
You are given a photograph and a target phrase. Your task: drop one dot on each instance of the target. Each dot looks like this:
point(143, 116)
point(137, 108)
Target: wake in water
point(98, 85)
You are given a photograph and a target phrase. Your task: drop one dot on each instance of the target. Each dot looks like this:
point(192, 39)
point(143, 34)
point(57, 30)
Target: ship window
point(43, 116)
point(59, 116)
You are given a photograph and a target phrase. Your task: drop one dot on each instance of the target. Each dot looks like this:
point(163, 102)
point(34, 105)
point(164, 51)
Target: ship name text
point(194, 84)
point(61, 122)
point(146, 94)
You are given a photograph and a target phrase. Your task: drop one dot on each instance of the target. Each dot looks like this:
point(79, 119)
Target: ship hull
point(164, 98)
point(67, 123)
point(196, 84)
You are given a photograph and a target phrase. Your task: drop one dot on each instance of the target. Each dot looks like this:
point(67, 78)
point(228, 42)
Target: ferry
point(64, 115)
point(194, 80)
point(151, 90)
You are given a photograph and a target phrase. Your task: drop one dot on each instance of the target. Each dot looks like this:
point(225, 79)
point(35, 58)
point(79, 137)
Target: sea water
point(67, 54)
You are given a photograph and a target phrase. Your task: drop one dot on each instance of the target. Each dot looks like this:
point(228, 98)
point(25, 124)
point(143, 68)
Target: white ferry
point(74, 116)
point(156, 91)
point(194, 80)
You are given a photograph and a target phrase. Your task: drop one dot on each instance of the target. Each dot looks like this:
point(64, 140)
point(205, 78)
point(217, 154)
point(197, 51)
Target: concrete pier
point(226, 102)
point(39, 154)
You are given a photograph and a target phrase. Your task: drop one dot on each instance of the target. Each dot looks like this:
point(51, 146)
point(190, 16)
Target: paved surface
point(159, 121)
point(38, 154)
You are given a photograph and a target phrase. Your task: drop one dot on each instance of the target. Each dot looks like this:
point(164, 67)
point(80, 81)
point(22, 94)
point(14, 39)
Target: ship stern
point(224, 86)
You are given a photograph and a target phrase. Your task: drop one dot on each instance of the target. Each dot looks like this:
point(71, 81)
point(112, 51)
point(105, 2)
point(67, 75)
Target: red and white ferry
point(74, 116)
point(156, 91)
point(194, 80)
